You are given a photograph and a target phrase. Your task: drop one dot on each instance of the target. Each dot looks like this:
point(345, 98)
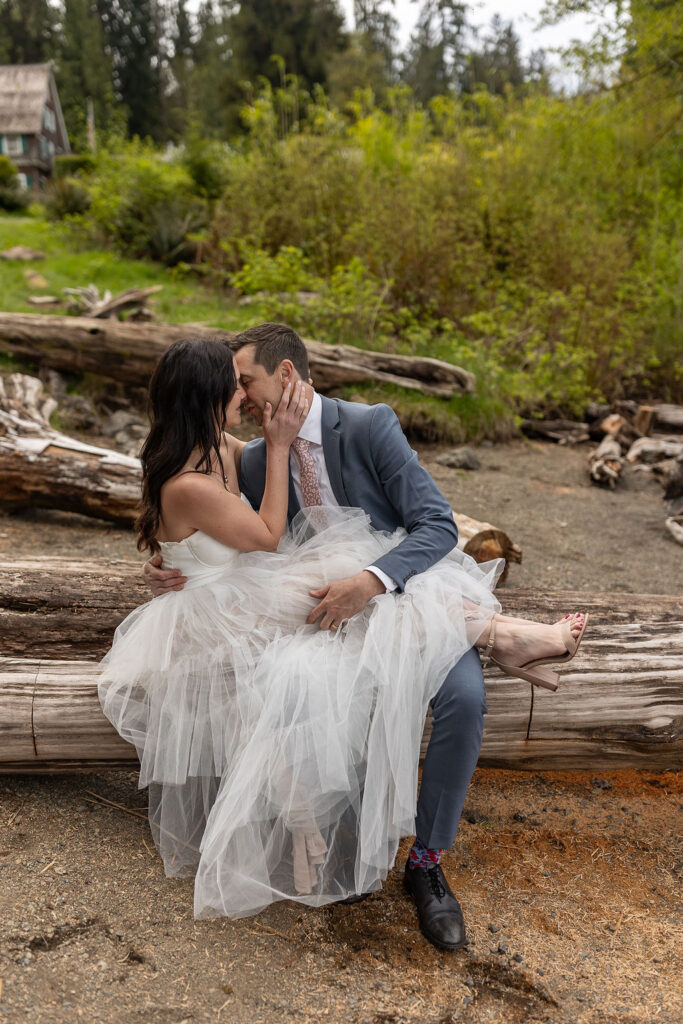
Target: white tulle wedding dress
point(282, 760)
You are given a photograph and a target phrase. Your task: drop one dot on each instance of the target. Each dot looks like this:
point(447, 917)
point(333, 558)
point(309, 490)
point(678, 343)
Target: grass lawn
point(187, 300)
point(183, 300)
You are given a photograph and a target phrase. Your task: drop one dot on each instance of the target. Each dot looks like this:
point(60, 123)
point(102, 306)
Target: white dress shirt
point(312, 431)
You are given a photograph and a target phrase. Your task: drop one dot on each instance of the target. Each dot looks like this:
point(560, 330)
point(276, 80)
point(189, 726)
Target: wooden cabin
point(32, 129)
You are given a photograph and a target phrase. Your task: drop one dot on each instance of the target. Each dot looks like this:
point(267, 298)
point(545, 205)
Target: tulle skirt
point(282, 760)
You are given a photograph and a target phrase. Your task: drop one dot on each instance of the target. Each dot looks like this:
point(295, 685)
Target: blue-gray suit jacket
point(372, 466)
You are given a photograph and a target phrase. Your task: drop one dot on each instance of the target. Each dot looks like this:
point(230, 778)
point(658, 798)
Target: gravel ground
point(570, 882)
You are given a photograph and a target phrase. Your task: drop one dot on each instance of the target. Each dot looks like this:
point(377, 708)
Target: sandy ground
point(570, 882)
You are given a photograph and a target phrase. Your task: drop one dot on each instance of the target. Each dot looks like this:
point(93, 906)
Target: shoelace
point(435, 883)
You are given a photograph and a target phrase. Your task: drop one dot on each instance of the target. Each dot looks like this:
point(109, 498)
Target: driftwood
point(620, 428)
point(484, 542)
point(654, 449)
point(674, 525)
point(88, 301)
point(128, 352)
point(668, 418)
point(620, 702)
point(606, 462)
point(563, 431)
point(69, 608)
point(40, 467)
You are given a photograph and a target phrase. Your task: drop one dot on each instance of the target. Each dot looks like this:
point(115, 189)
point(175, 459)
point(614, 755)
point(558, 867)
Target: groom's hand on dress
point(162, 581)
point(342, 600)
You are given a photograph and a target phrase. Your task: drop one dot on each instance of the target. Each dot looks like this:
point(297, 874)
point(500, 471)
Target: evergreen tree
point(133, 31)
point(84, 72)
point(27, 31)
point(436, 53)
point(304, 33)
point(214, 98)
point(378, 29)
point(181, 65)
point(498, 64)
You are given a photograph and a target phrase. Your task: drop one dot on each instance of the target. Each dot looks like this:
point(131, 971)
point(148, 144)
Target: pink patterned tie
point(309, 480)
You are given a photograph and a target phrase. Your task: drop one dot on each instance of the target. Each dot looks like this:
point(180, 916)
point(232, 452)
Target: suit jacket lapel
point(331, 438)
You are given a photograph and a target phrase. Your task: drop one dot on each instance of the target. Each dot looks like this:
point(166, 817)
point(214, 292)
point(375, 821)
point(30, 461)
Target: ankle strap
point(490, 643)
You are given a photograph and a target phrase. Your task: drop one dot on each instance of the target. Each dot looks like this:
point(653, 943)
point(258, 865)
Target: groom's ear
point(287, 371)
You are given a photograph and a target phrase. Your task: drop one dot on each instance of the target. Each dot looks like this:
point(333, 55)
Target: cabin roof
point(24, 90)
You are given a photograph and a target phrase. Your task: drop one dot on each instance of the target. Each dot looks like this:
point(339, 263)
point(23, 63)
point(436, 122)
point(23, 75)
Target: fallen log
point(654, 449)
point(668, 418)
point(42, 468)
point(129, 351)
point(620, 703)
point(69, 608)
point(605, 463)
point(562, 431)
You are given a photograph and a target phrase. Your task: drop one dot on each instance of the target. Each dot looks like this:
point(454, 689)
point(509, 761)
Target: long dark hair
point(192, 384)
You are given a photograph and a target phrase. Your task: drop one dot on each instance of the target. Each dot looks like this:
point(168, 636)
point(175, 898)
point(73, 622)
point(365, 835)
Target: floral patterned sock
point(421, 857)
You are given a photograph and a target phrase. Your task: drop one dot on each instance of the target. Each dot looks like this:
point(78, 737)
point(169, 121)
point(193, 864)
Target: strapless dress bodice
point(199, 557)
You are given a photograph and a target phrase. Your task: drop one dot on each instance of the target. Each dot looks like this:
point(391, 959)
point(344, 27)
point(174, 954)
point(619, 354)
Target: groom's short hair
point(273, 343)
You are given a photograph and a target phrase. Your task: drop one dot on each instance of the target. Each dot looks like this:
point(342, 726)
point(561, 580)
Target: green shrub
point(73, 163)
point(66, 197)
point(145, 206)
point(12, 196)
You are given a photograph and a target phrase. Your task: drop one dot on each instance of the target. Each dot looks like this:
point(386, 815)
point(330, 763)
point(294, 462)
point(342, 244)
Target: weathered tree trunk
point(620, 702)
point(564, 431)
point(39, 467)
point(68, 608)
point(128, 352)
point(668, 418)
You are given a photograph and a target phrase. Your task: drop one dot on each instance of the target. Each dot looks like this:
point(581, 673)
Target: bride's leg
point(521, 640)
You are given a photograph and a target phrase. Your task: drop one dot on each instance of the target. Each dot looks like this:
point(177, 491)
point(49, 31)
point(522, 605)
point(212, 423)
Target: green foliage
point(144, 206)
point(67, 197)
point(346, 308)
point(12, 197)
point(73, 163)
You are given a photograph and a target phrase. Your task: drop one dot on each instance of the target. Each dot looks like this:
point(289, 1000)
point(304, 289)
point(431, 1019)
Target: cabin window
point(24, 180)
point(13, 145)
point(49, 120)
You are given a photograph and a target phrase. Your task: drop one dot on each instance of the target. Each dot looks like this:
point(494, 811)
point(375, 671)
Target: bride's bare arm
point(195, 501)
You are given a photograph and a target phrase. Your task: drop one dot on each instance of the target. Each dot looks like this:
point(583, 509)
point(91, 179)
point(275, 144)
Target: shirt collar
point(312, 427)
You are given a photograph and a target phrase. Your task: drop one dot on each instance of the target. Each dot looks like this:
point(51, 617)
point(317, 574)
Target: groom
point(357, 455)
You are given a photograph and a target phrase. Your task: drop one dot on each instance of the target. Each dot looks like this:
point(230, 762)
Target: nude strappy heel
point(534, 671)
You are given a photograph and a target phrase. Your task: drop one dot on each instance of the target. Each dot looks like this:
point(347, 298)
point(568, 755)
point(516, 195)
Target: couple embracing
point(311, 604)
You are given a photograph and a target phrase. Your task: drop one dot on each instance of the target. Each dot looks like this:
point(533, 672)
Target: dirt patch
point(570, 882)
point(570, 887)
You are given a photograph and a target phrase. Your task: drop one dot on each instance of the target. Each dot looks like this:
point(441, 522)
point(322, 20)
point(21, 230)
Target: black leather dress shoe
point(441, 919)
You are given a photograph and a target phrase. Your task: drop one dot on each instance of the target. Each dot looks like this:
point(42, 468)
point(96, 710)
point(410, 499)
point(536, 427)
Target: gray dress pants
point(458, 711)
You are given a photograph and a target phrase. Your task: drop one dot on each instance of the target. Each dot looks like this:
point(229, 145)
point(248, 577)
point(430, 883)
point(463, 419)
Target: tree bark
point(129, 351)
point(668, 418)
point(68, 608)
point(620, 702)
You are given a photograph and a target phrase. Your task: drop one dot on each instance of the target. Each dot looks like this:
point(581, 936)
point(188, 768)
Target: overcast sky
point(523, 14)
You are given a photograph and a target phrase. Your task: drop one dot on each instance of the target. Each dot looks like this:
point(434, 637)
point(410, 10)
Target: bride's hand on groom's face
point(281, 427)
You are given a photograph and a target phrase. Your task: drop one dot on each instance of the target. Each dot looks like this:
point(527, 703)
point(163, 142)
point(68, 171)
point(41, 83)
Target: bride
point(281, 759)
